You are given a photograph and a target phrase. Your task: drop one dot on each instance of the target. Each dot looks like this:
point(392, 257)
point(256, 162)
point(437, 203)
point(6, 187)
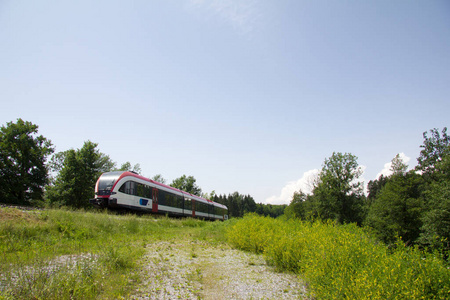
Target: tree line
point(239, 205)
point(413, 206)
point(32, 174)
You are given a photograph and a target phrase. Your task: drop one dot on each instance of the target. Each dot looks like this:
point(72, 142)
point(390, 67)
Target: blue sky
point(246, 96)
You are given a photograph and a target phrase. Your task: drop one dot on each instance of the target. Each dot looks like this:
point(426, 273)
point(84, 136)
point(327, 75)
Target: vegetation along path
point(200, 270)
point(64, 254)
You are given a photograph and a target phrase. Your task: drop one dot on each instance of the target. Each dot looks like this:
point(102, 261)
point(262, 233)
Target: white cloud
point(241, 15)
point(305, 184)
point(387, 166)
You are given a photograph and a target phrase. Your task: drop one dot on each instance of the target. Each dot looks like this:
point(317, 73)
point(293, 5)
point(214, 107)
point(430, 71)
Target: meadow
point(64, 254)
point(343, 261)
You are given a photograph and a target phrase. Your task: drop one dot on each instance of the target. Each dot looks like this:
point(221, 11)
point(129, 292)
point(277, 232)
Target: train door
point(193, 208)
point(155, 201)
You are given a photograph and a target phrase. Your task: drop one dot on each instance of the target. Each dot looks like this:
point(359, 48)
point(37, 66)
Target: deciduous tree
point(159, 178)
point(397, 210)
point(127, 167)
point(339, 193)
point(435, 148)
point(78, 173)
point(187, 184)
point(436, 220)
point(23, 155)
point(398, 166)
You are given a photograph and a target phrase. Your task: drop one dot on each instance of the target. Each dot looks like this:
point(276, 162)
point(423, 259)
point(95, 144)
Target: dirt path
point(198, 270)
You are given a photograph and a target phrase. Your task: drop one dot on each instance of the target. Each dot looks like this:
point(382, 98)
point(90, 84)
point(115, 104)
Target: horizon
point(248, 97)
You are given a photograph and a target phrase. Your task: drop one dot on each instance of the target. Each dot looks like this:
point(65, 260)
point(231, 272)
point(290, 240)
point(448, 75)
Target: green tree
point(436, 221)
point(297, 207)
point(78, 171)
point(23, 155)
point(397, 210)
point(159, 178)
point(271, 210)
point(127, 167)
point(398, 166)
point(434, 163)
point(209, 196)
point(238, 204)
point(374, 187)
point(187, 184)
point(235, 205)
point(249, 204)
point(435, 148)
point(339, 193)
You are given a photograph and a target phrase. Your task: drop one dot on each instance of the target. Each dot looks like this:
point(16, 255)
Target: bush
point(343, 261)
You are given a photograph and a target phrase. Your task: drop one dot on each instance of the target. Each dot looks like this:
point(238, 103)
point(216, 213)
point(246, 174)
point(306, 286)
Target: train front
point(104, 190)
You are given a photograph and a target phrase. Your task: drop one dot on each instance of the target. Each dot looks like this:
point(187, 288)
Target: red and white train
point(131, 191)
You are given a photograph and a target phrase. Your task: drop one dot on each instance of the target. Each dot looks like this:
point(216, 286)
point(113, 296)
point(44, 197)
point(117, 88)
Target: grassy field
point(59, 254)
point(343, 262)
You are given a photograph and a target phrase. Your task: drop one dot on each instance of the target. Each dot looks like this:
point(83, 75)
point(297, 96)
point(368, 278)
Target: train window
point(187, 203)
point(144, 190)
point(219, 211)
point(129, 187)
point(179, 201)
point(201, 207)
point(169, 199)
point(162, 197)
point(125, 188)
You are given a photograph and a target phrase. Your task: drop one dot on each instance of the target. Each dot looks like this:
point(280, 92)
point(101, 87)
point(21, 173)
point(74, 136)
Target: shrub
point(343, 261)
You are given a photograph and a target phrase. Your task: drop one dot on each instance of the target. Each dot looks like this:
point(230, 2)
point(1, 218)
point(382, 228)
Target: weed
point(343, 261)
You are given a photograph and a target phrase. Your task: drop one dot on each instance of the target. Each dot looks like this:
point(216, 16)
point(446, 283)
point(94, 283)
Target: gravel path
point(198, 270)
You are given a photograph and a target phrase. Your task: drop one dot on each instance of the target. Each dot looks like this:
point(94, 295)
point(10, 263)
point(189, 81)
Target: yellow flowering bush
point(343, 261)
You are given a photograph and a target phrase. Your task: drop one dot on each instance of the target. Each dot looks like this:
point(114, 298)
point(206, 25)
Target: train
point(131, 191)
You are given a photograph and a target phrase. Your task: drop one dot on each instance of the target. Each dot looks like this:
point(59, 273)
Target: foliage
point(299, 206)
point(78, 172)
point(435, 232)
point(270, 210)
point(374, 187)
point(398, 166)
point(238, 205)
point(398, 209)
point(187, 184)
point(414, 205)
point(337, 195)
point(127, 167)
point(435, 148)
point(343, 261)
point(23, 170)
point(159, 178)
point(252, 233)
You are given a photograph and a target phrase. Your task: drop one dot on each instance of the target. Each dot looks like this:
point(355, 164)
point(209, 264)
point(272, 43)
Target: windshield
point(107, 181)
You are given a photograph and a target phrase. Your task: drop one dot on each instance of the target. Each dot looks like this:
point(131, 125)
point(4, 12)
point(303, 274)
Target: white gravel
point(198, 270)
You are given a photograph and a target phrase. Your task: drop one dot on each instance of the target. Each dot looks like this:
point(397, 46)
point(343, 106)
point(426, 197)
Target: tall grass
point(343, 261)
point(63, 254)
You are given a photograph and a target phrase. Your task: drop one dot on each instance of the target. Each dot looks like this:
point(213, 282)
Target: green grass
point(63, 254)
point(343, 262)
